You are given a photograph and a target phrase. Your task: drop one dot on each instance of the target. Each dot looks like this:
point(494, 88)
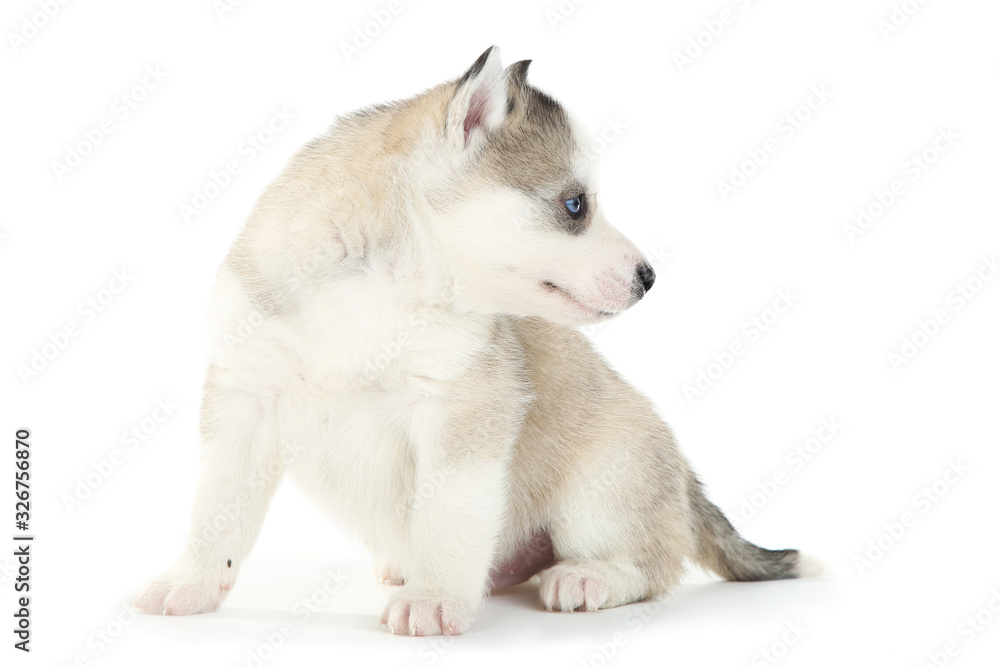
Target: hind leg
point(595, 570)
point(625, 541)
point(601, 577)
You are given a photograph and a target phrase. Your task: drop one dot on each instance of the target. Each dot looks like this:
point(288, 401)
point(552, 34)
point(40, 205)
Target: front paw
point(185, 588)
point(424, 614)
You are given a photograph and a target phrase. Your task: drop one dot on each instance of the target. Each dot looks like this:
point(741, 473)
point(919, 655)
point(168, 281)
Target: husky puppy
point(394, 326)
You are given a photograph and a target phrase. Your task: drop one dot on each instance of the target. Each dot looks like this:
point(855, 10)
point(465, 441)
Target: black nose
point(644, 275)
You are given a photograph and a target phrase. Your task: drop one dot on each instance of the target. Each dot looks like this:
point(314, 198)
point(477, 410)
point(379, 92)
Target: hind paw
point(573, 586)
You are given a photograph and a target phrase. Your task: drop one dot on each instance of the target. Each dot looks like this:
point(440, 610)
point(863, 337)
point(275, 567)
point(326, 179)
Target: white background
point(681, 129)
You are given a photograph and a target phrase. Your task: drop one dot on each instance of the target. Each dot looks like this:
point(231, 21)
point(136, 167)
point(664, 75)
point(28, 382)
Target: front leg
point(452, 540)
point(240, 465)
point(462, 437)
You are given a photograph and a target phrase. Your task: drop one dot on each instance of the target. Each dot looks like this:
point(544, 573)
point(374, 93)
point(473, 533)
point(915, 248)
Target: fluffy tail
point(721, 549)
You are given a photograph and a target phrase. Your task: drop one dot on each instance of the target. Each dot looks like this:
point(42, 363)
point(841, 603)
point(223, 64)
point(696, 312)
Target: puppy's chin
point(569, 314)
point(578, 319)
point(563, 306)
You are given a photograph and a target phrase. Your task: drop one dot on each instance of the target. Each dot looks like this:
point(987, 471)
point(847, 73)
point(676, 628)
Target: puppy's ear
point(480, 103)
point(518, 73)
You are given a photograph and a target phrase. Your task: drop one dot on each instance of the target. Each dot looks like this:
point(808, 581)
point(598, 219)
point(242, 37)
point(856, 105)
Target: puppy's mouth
point(577, 304)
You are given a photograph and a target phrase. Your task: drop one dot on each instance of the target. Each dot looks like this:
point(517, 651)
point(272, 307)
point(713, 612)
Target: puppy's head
point(522, 215)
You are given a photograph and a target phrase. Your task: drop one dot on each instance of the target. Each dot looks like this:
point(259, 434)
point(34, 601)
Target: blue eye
point(574, 205)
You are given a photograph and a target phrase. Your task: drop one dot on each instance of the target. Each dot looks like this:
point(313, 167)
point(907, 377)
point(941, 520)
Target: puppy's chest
point(366, 332)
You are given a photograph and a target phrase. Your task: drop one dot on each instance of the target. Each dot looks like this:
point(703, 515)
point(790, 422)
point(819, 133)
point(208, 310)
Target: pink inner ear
point(477, 113)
